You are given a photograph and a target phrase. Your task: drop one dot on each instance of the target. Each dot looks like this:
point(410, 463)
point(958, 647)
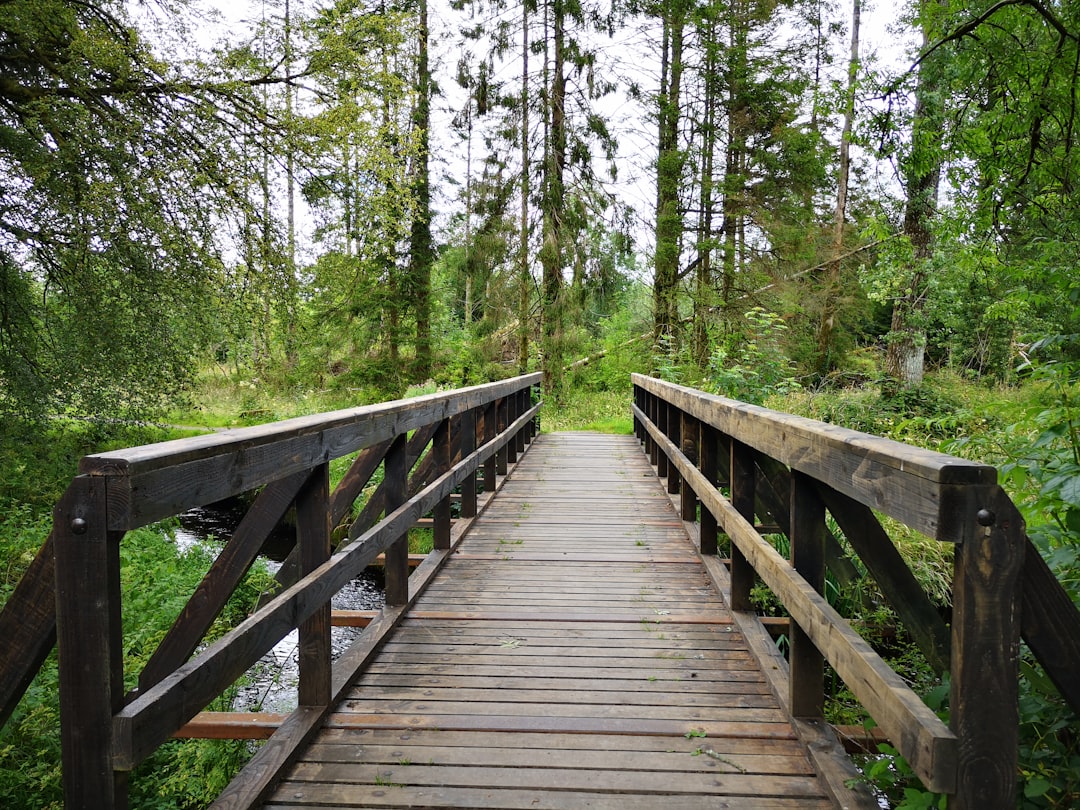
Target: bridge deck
point(572, 653)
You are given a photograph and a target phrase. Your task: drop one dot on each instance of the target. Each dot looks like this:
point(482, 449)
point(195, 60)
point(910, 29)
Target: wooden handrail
point(106, 732)
point(697, 440)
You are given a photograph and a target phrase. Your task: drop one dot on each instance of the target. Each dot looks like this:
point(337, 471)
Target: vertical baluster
point(395, 479)
point(674, 432)
point(313, 541)
point(807, 535)
point(491, 465)
point(89, 636)
point(688, 430)
point(707, 456)
point(468, 446)
point(440, 447)
point(662, 423)
point(522, 408)
point(500, 426)
point(742, 498)
point(511, 403)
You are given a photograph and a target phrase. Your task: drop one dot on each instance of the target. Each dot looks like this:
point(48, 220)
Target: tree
point(120, 170)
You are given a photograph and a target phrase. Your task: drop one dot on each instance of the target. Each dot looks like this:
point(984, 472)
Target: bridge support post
point(468, 446)
point(807, 536)
point(90, 640)
point(984, 688)
point(707, 463)
point(673, 430)
point(742, 498)
point(395, 478)
point(689, 431)
point(490, 466)
point(313, 541)
point(510, 409)
point(440, 448)
point(501, 421)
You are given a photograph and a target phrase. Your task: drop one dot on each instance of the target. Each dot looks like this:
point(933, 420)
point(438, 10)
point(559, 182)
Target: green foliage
point(750, 365)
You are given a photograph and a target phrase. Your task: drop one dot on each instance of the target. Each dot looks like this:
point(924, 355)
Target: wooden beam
point(159, 480)
point(928, 745)
point(929, 491)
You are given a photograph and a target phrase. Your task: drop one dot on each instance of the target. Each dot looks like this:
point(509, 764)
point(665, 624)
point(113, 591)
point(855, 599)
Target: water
point(272, 681)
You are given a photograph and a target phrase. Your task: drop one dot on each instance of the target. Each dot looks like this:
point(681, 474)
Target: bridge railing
point(784, 474)
point(106, 732)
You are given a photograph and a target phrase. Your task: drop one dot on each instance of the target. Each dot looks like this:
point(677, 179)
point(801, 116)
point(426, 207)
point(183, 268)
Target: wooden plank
point(921, 737)
point(907, 483)
point(228, 569)
point(1051, 623)
point(313, 542)
point(28, 626)
point(159, 480)
point(881, 558)
point(324, 797)
point(984, 686)
point(90, 640)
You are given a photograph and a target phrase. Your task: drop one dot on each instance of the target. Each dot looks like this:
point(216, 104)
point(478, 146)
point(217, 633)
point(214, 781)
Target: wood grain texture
point(905, 482)
point(930, 747)
point(547, 660)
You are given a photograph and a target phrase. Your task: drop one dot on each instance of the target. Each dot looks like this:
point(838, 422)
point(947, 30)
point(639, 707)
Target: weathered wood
point(743, 489)
point(689, 434)
point(159, 480)
point(928, 491)
point(807, 534)
point(231, 726)
point(90, 639)
point(313, 541)
point(441, 457)
point(707, 463)
point(149, 719)
point(468, 444)
point(984, 686)
point(226, 572)
point(887, 567)
point(930, 748)
point(491, 464)
point(395, 471)
point(28, 627)
point(355, 479)
point(1051, 621)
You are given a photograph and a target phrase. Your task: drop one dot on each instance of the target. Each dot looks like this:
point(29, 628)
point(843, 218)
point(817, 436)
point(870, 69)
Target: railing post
point(440, 448)
point(522, 408)
point(688, 430)
point(511, 403)
point(313, 540)
point(500, 423)
point(651, 409)
point(707, 458)
point(662, 423)
point(89, 637)
point(742, 498)
point(985, 653)
point(396, 567)
point(674, 432)
point(468, 446)
point(491, 465)
point(807, 535)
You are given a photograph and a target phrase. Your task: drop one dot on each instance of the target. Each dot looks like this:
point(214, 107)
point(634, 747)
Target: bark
point(524, 278)
point(421, 255)
point(904, 360)
point(830, 303)
point(553, 202)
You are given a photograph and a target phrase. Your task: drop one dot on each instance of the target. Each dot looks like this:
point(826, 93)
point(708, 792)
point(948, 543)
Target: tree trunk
point(669, 165)
point(832, 292)
point(904, 360)
point(421, 252)
point(524, 277)
point(554, 204)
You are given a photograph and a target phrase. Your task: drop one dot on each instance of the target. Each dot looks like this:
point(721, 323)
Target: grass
point(598, 411)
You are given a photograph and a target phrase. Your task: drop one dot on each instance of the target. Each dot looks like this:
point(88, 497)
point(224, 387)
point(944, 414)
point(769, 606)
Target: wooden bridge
point(575, 640)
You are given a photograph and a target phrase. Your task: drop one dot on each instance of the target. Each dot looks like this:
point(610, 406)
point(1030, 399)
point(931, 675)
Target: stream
point(272, 681)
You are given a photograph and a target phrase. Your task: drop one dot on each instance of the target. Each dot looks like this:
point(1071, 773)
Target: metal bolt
point(78, 526)
point(985, 517)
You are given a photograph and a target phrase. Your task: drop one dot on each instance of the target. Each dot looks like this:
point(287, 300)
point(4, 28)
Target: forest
point(228, 216)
